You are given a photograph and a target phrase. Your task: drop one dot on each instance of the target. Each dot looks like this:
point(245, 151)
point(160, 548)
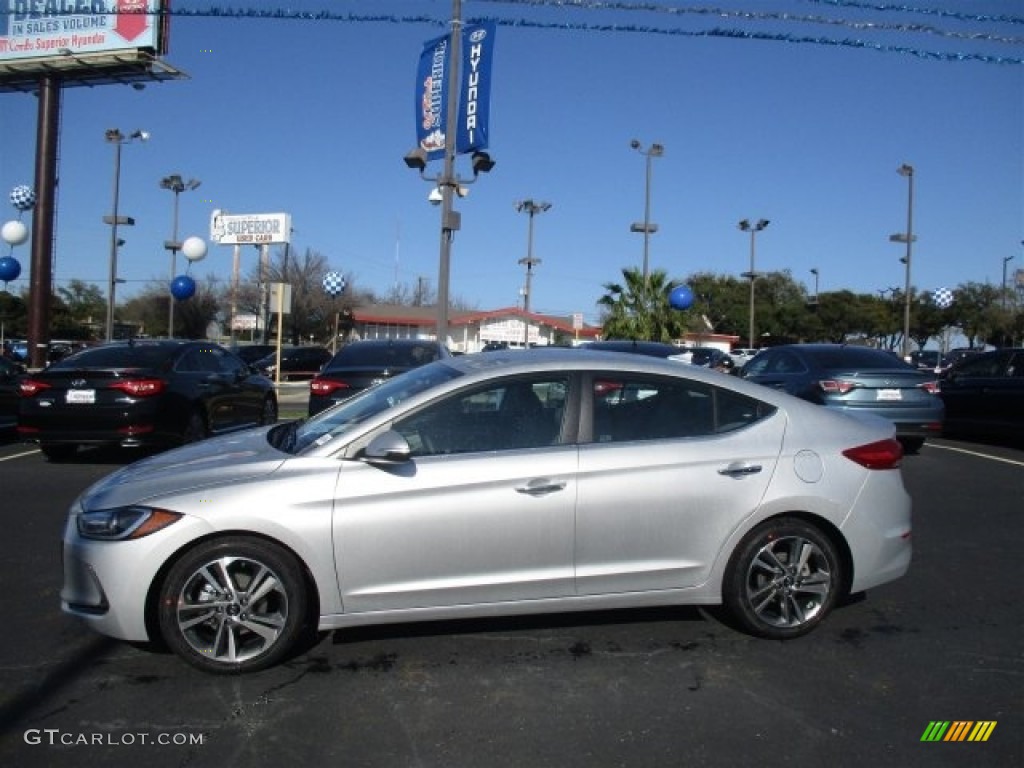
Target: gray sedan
point(494, 484)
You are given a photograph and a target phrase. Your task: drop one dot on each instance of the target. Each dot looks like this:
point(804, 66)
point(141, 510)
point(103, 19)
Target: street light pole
point(115, 137)
point(648, 228)
point(753, 229)
point(177, 185)
point(531, 208)
point(814, 271)
point(1002, 286)
point(908, 238)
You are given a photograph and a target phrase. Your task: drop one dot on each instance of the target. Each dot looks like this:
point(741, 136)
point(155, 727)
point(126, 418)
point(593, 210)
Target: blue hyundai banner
point(475, 94)
point(432, 83)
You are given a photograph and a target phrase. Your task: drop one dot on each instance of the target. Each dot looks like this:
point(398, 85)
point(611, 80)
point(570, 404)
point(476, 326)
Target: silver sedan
point(501, 483)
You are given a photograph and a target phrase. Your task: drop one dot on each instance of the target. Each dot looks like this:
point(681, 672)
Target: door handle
point(541, 487)
point(740, 470)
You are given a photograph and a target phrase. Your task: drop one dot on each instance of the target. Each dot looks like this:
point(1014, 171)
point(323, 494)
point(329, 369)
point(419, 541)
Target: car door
point(669, 471)
point(199, 377)
point(246, 397)
point(482, 513)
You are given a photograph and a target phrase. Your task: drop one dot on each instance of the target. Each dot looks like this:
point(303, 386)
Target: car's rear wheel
point(232, 605)
point(269, 413)
point(912, 444)
point(783, 579)
point(195, 428)
point(58, 452)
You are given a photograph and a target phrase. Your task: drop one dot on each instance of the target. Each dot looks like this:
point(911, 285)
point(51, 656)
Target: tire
point(783, 579)
point(268, 415)
point(911, 444)
point(209, 616)
point(195, 429)
point(58, 452)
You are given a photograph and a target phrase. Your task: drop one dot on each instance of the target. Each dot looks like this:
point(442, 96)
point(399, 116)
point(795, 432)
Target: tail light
point(837, 386)
point(325, 387)
point(884, 454)
point(932, 387)
point(32, 387)
point(140, 387)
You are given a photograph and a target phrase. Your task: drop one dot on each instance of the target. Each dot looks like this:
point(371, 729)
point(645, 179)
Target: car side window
point(785, 362)
point(759, 364)
point(626, 409)
point(197, 360)
point(513, 414)
point(985, 367)
point(229, 364)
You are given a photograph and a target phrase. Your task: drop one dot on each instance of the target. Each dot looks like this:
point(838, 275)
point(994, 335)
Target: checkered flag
point(943, 298)
point(334, 284)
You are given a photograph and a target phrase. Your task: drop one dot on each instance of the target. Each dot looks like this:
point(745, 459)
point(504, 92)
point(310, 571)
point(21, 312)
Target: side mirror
point(387, 448)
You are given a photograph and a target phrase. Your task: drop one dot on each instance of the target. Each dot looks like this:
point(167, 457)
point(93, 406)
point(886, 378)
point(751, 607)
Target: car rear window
point(860, 358)
point(118, 357)
point(405, 356)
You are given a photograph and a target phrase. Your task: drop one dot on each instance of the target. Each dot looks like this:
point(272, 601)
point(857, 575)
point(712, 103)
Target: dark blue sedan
point(857, 380)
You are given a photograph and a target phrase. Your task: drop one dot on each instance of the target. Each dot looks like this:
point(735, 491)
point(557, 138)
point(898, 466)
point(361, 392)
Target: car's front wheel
point(236, 604)
point(783, 579)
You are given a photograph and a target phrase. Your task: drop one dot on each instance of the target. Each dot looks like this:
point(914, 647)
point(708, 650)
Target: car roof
point(651, 348)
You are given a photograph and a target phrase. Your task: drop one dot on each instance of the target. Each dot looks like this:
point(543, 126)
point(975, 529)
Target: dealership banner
point(475, 95)
point(432, 84)
point(37, 29)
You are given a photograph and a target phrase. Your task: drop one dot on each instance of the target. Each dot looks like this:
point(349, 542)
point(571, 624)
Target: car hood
point(227, 459)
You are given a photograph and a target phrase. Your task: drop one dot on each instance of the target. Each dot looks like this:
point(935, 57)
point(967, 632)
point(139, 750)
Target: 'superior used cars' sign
point(250, 228)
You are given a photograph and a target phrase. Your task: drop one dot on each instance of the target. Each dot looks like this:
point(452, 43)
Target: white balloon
point(194, 248)
point(15, 233)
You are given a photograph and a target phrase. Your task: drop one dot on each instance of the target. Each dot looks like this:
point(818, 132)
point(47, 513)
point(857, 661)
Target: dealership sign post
point(259, 229)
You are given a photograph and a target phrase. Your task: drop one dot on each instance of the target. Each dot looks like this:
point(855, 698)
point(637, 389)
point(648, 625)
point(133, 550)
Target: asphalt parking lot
point(628, 688)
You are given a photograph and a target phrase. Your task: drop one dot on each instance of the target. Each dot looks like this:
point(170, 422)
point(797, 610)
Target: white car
point(489, 484)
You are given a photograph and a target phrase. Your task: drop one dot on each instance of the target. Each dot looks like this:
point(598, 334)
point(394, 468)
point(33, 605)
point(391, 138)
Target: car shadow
point(448, 627)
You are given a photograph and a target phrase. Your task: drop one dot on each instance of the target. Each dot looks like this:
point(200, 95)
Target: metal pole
point(647, 217)
point(1002, 286)
point(449, 218)
point(174, 254)
point(41, 276)
point(753, 277)
point(908, 171)
point(112, 281)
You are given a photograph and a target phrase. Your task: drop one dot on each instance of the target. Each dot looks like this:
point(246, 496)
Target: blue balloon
point(183, 287)
point(681, 297)
point(9, 268)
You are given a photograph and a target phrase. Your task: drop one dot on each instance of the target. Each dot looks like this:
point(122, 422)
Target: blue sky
point(313, 118)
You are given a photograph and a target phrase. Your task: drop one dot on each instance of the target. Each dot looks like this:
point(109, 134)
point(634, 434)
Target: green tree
point(639, 309)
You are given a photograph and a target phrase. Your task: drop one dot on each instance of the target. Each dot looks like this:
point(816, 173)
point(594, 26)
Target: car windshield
point(335, 422)
point(117, 356)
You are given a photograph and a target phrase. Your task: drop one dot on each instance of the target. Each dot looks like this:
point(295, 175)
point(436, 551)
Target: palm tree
point(639, 309)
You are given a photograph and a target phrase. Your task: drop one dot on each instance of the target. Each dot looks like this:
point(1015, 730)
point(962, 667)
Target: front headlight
point(124, 522)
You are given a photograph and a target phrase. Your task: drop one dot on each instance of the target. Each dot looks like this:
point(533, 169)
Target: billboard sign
point(250, 228)
point(38, 29)
point(432, 83)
